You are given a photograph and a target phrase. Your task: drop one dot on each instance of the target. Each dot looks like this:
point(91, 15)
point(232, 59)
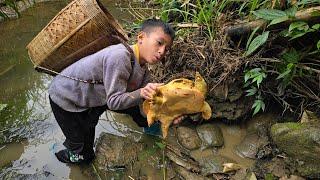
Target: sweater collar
point(136, 52)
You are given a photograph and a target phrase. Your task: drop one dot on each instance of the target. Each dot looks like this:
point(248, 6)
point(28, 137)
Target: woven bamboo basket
point(82, 28)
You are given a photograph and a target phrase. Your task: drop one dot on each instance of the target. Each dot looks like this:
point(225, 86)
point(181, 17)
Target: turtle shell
point(178, 97)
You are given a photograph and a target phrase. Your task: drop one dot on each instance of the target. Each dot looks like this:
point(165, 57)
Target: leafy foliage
point(256, 42)
point(299, 28)
point(284, 63)
point(288, 68)
point(204, 13)
point(254, 78)
point(251, 6)
point(160, 145)
point(269, 14)
point(276, 16)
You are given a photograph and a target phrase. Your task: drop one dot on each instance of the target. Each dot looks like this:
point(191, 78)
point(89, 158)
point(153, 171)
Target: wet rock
point(300, 141)
point(256, 143)
point(113, 152)
point(209, 162)
point(188, 137)
point(187, 163)
point(250, 145)
point(305, 136)
point(210, 135)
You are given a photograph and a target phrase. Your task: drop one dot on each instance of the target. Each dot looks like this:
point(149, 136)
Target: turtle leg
point(165, 127)
point(151, 117)
point(206, 111)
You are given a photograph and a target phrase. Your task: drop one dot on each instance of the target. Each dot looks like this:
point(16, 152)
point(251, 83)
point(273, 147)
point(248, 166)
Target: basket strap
point(132, 60)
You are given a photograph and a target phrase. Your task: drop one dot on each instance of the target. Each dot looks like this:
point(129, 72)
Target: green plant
point(288, 68)
point(162, 146)
point(276, 16)
point(256, 42)
point(204, 13)
point(254, 78)
point(299, 28)
point(248, 7)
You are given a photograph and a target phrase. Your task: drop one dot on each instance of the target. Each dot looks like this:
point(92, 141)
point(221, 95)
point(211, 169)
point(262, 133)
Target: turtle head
point(200, 84)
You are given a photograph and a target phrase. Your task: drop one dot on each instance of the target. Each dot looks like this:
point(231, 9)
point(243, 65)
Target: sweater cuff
point(136, 97)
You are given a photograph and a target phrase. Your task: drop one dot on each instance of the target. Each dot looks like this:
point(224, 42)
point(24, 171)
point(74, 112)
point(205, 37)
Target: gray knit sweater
point(121, 84)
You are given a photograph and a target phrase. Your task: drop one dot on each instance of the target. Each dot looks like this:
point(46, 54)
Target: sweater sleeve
point(117, 69)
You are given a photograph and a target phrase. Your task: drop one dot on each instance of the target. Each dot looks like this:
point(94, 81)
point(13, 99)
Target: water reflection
point(29, 135)
point(22, 89)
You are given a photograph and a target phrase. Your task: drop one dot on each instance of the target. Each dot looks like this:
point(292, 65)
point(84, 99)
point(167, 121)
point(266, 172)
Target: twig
point(308, 68)
point(187, 25)
point(136, 12)
point(296, 86)
point(95, 171)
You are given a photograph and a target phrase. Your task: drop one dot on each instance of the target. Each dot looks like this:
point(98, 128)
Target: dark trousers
point(79, 127)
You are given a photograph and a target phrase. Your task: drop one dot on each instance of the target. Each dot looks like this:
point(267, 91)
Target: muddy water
point(233, 135)
point(29, 135)
point(28, 132)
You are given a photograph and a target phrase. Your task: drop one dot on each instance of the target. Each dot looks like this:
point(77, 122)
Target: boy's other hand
point(179, 119)
point(149, 90)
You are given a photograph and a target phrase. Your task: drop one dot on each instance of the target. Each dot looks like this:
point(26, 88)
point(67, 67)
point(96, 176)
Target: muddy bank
point(212, 150)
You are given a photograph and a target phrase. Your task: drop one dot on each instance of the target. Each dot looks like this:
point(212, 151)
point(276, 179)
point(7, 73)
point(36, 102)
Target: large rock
point(250, 145)
point(116, 152)
point(188, 137)
point(256, 139)
point(211, 135)
point(300, 141)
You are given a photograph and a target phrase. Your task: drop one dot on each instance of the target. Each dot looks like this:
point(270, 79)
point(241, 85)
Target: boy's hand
point(179, 119)
point(149, 90)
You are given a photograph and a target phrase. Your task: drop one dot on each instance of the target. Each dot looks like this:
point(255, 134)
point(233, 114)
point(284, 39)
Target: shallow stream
point(28, 132)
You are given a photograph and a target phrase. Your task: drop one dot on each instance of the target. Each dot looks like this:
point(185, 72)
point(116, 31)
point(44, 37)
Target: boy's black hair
point(148, 25)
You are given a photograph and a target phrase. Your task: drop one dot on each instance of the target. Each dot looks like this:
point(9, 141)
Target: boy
point(77, 105)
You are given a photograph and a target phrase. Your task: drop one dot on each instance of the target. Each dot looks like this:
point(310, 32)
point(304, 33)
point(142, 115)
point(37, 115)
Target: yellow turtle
point(178, 97)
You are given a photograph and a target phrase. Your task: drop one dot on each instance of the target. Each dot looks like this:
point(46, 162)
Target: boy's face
point(153, 45)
